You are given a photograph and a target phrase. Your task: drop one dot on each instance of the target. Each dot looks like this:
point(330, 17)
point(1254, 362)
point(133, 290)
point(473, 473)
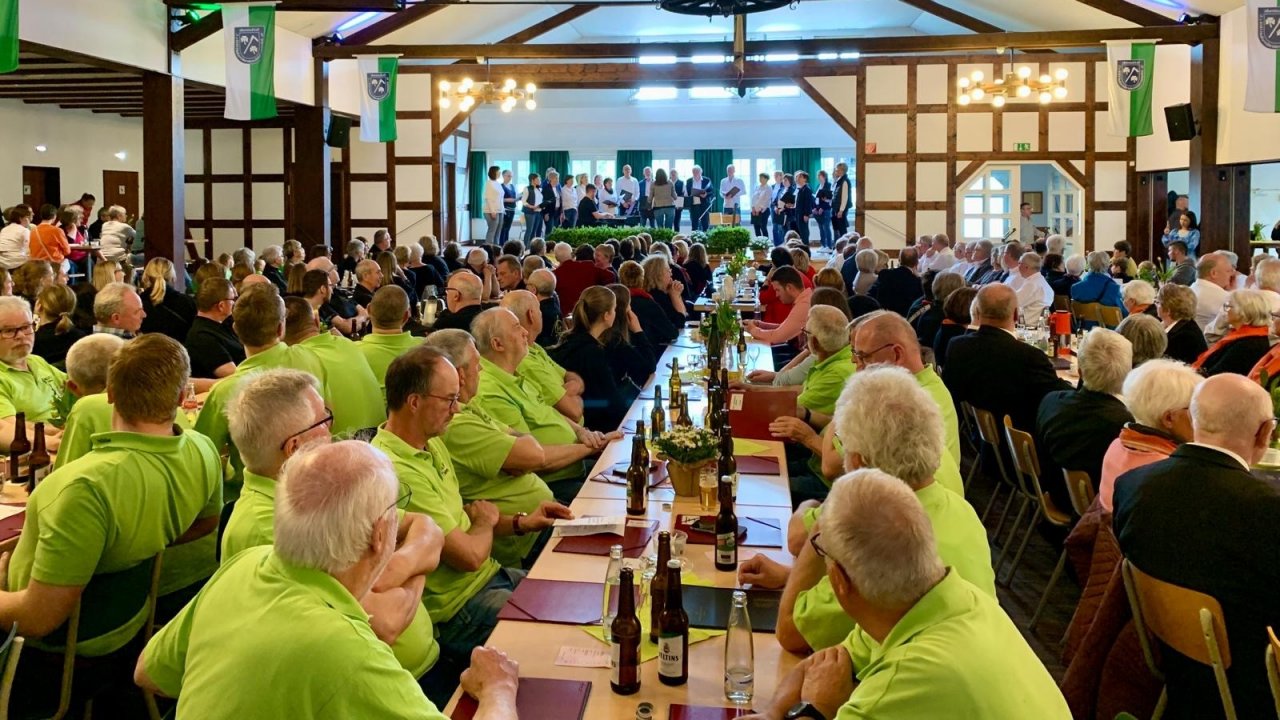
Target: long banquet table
point(535, 646)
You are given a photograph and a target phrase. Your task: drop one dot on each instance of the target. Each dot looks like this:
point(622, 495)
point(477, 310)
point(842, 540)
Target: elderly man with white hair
point(886, 421)
point(1146, 335)
point(865, 261)
point(542, 283)
point(1267, 282)
point(1158, 393)
point(272, 261)
point(926, 643)
point(939, 255)
point(1097, 286)
point(556, 386)
point(1033, 291)
point(28, 384)
point(1214, 278)
point(117, 310)
point(1204, 497)
point(1076, 426)
point(1055, 244)
point(463, 297)
point(297, 602)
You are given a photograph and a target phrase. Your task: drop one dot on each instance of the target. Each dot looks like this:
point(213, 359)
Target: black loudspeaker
point(1181, 122)
point(339, 131)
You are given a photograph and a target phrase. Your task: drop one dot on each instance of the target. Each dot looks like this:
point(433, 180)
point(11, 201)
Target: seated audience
point(829, 277)
point(982, 268)
point(166, 308)
point(117, 310)
point(32, 277)
point(352, 255)
point(349, 384)
point(369, 277)
point(1160, 522)
point(1146, 336)
point(463, 296)
point(88, 363)
point(333, 308)
point(929, 319)
point(1074, 427)
point(28, 384)
point(1177, 307)
point(273, 266)
point(509, 273)
point(1158, 393)
point(393, 274)
point(698, 269)
point(955, 322)
point(298, 601)
point(389, 312)
point(865, 261)
point(666, 291)
point(56, 331)
point(117, 238)
point(631, 355)
point(655, 323)
point(542, 283)
point(607, 392)
point(1215, 277)
point(787, 285)
point(577, 272)
point(1249, 320)
point(1184, 266)
point(1097, 286)
point(897, 288)
point(556, 386)
point(1138, 296)
point(1033, 291)
point(1055, 272)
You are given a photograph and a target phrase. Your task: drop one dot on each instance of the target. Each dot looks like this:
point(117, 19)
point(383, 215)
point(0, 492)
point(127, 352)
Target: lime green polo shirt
point(962, 545)
point(265, 639)
point(252, 524)
point(91, 415)
point(825, 380)
point(955, 654)
point(113, 509)
point(212, 420)
point(545, 374)
point(932, 384)
point(478, 445)
point(430, 476)
point(382, 350)
point(948, 476)
point(350, 387)
point(34, 391)
point(515, 402)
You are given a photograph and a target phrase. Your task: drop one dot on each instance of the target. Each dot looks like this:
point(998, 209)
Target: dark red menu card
point(757, 465)
point(702, 712)
point(752, 532)
point(633, 542)
point(539, 699)
point(751, 412)
point(12, 526)
point(554, 601)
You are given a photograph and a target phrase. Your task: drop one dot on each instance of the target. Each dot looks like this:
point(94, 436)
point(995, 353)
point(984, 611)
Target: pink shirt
point(789, 328)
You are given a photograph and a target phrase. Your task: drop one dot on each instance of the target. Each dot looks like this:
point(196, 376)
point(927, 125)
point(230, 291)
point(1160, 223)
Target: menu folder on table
point(539, 699)
point(633, 541)
point(11, 526)
point(757, 464)
point(752, 532)
point(554, 601)
point(704, 712)
point(708, 607)
point(750, 412)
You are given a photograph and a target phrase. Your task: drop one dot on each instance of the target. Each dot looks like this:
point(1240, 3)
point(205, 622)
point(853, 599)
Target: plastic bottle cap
point(644, 711)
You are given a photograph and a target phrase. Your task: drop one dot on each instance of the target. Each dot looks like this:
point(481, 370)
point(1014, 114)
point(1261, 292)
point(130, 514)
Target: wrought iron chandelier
point(1019, 84)
point(469, 92)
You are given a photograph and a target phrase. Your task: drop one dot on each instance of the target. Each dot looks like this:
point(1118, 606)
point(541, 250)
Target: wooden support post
point(310, 191)
point(163, 153)
point(1210, 185)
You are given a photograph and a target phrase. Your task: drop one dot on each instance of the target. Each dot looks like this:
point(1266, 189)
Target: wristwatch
point(804, 709)
point(515, 523)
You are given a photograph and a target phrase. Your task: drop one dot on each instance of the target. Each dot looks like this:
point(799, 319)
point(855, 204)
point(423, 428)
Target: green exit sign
point(1022, 147)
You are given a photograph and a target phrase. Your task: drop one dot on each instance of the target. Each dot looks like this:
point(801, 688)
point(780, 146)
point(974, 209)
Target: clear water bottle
point(739, 654)
point(612, 577)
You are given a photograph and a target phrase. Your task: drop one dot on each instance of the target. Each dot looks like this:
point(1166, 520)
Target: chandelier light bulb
point(466, 103)
point(506, 108)
point(444, 102)
point(444, 86)
point(977, 93)
point(964, 82)
point(509, 85)
point(1046, 79)
point(997, 101)
point(999, 81)
point(1024, 72)
point(465, 86)
point(963, 100)
point(977, 76)
point(1045, 98)
point(1060, 92)
point(1024, 91)
point(531, 88)
point(530, 104)
point(1060, 74)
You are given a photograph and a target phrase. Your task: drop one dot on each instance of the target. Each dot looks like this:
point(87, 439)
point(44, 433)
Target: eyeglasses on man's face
point(863, 358)
point(325, 422)
point(451, 399)
point(9, 333)
point(403, 499)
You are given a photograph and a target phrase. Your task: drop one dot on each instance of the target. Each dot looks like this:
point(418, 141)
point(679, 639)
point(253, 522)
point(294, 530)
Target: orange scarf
point(1237, 334)
point(1269, 362)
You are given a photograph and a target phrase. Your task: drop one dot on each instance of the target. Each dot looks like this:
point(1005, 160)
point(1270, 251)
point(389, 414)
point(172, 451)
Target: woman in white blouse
point(15, 238)
point(760, 198)
point(606, 198)
point(117, 238)
point(569, 198)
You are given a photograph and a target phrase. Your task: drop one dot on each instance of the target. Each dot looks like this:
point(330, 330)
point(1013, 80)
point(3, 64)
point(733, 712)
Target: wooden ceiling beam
point(1133, 13)
point(630, 74)
point(390, 24)
point(953, 16)
point(191, 34)
point(1176, 34)
point(306, 5)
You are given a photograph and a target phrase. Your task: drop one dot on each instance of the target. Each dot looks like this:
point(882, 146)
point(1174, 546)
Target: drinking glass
point(678, 540)
point(708, 491)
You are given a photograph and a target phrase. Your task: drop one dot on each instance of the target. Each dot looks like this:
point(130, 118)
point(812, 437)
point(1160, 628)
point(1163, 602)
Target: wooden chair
point(1080, 488)
point(1086, 312)
point(9, 653)
point(1062, 303)
point(1026, 465)
point(989, 435)
point(1190, 622)
point(1111, 315)
point(111, 600)
point(1273, 666)
point(714, 219)
point(968, 431)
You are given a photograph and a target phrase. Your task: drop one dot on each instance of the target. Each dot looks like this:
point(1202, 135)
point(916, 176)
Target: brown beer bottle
point(657, 418)
point(624, 639)
point(638, 474)
point(675, 377)
point(673, 633)
point(658, 586)
point(39, 463)
point(685, 419)
point(19, 447)
point(727, 464)
point(726, 528)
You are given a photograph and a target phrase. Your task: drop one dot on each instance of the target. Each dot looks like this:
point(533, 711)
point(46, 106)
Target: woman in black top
point(667, 292)
point(168, 311)
point(698, 268)
point(57, 332)
point(631, 355)
point(653, 321)
point(955, 322)
point(606, 397)
point(928, 322)
point(393, 275)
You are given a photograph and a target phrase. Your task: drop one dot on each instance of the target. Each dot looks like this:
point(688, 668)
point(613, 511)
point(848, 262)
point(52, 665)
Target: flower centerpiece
point(726, 320)
point(687, 450)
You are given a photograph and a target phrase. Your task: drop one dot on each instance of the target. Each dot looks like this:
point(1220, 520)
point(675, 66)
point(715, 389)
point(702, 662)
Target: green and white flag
point(1131, 67)
point(378, 97)
point(1262, 90)
point(249, 36)
point(8, 35)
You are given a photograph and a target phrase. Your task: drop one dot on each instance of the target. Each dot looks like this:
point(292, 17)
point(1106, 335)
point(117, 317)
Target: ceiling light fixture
point(468, 93)
point(656, 59)
point(655, 93)
point(121, 155)
point(724, 8)
point(1018, 84)
point(42, 148)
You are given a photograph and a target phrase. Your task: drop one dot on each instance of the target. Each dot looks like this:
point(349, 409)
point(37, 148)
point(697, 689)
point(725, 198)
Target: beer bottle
point(724, 386)
point(742, 349)
point(624, 640)
point(657, 419)
point(638, 474)
point(19, 447)
point(726, 528)
point(685, 420)
point(658, 586)
point(673, 633)
point(39, 463)
point(727, 464)
point(675, 377)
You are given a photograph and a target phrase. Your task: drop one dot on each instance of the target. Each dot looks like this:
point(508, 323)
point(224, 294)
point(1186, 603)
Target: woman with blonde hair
point(293, 280)
point(56, 331)
point(800, 261)
point(829, 277)
point(32, 277)
point(393, 275)
point(697, 267)
point(167, 311)
point(653, 319)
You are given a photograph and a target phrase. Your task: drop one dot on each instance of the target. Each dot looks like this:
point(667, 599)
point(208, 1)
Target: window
point(606, 168)
point(522, 170)
point(503, 165)
point(767, 166)
point(685, 167)
point(987, 205)
point(1062, 204)
point(581, 167)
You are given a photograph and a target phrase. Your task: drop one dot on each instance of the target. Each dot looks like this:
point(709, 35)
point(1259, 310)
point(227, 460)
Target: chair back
point(1111, 315)
point(989, 434)
point(1188, 621)
point(1026, 463)
point(1273, 666)
point(223, 518)
point(1086, 312)
point(1062, 303)
point(9, 654)
point(1080, 488)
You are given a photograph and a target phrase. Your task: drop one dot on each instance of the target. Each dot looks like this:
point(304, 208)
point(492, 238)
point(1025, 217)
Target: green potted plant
point(1255, 234)
point(687, 451)
point(759, 249)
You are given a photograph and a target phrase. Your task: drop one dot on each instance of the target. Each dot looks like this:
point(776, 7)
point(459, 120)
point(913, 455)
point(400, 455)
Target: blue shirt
point(1099, 288)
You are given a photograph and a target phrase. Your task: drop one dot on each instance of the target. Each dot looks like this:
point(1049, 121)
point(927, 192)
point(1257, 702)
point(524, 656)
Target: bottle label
point(671, 656)
point(726, 549)
point(40, 473)
point(615, 663)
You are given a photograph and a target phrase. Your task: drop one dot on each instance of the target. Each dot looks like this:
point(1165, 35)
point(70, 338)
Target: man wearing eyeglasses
point(318, 285)
point(28, 384)
point(462, 299)
point(466, 592)
point(350, 385)
point(214, 348)
point(281, 630)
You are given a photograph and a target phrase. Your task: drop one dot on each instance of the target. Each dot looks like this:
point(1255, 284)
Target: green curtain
point(542, 160)
point(713, 163)
point(806, 159)
point(637, 159)
point(477, 174)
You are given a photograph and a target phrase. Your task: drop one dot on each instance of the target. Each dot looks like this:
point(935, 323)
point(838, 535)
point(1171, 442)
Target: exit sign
point(1022, 147)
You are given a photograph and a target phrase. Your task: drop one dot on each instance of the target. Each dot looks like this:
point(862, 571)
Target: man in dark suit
point(804, 205)
point(552, 203)
point(1075, 427)
point(778, 230)
point(699, 204)
point(981, 263)
point(678, 187)
point(896, 288)
point(1201, 520)
point(994, 370)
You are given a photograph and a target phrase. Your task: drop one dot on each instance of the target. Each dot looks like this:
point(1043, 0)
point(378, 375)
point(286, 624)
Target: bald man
point(556, 386)
point(992, 369)
point(1204, 497)
point(462, 298)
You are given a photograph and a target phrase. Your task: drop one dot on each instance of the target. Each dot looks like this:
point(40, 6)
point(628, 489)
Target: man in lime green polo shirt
point(927, 644)
point(886, 421)
point(556, 386)
point(513, 400)
point(28, 384)
point(143, 486)
point(350, 386)
point(88, 361)
point(493, 461)
point(258, 320)
point(389, 311)
point(281, 632)
point(466, 592)
point(274, 414)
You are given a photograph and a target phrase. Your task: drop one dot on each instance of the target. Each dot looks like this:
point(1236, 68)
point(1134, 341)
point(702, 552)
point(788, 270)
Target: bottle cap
point(615, 549)
point(644, 711)
point(673, 564)
point(739, 597)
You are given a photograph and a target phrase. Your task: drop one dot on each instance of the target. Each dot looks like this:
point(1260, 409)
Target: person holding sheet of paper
point(698, 188)
point(732, 190)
